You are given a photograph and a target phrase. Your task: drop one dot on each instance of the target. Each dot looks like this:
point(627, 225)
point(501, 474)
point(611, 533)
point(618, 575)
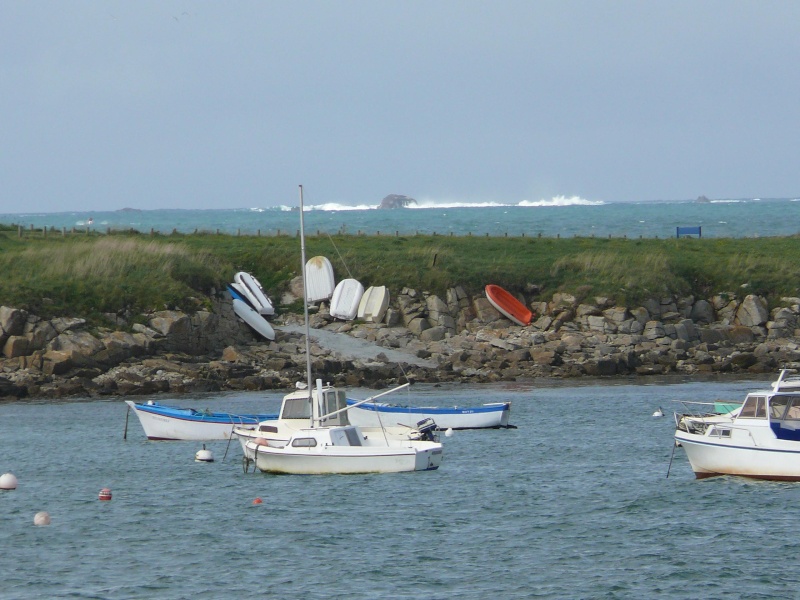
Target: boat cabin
point(780, 409)
point(296, 405)
point(337, 436)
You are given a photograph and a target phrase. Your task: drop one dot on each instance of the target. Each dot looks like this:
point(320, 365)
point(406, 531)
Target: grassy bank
point(92, 274)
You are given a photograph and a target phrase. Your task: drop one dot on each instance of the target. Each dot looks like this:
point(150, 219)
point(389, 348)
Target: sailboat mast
point(305, 308)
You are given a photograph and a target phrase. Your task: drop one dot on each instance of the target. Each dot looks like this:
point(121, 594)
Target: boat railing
point(696, 416)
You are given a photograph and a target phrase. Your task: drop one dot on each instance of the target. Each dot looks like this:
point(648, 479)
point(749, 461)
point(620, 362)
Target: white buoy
point(204, 455)
point(658, 413)
point(8, 482)
point(41, 518)
point(448, 432)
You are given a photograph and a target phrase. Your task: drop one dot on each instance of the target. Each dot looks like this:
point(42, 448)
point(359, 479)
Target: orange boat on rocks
point(508, 305)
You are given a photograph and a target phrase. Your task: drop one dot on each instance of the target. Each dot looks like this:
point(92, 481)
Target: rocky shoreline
point(424, 338)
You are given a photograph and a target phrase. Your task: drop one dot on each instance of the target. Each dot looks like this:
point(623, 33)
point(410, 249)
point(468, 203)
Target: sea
point(587, 498)
point(556, 217)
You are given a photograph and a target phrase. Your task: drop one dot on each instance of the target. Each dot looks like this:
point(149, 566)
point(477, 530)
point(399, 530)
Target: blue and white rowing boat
point(171, 423)
point(493, 415)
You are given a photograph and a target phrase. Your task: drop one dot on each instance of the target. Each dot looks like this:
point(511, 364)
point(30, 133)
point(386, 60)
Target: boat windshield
point(793, 412)
point(296, 408)
point(754, 407)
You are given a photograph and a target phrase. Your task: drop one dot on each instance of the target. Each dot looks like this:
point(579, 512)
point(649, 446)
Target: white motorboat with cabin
point(760, 439)
point(313, 435)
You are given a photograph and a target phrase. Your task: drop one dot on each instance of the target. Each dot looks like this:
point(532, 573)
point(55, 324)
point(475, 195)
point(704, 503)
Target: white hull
point(487, 416)
point(319, 279)
point(251, 288)
point(253, 319)
point(329, 460)
point(710, 455)
point(346, 298)
point(161, 427)
point(374, 304)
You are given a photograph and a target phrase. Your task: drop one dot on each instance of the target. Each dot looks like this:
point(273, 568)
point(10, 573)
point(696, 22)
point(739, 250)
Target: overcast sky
point(168, 104)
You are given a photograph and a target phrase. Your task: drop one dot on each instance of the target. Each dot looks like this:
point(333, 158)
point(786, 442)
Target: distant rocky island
point(396, 201)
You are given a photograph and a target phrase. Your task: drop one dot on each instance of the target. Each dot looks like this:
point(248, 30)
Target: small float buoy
point(8, 482)
point(260, 441)
point(41, 518)
point(448, 432)
point(204, 455)
point(105, 494)
point(258, 501)
point(658, 413)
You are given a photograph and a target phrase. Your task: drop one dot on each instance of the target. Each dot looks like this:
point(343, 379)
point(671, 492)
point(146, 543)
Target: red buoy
point(105, 494)
point(257, 501)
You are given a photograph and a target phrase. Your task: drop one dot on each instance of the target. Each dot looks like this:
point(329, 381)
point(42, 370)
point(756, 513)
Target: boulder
point(396, 201)
point(12, 320)
point(16, 346)
point(752, 312)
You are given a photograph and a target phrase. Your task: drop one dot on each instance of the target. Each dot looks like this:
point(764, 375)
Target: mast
point(305, 309)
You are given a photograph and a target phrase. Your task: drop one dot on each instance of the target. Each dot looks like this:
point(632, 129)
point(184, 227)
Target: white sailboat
point(313, 435)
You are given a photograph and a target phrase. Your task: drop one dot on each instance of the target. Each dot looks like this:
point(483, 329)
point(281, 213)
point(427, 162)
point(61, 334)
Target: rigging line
point(340, 255)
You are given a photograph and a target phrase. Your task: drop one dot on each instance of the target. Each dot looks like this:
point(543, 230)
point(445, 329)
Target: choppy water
point(565, 217)
point(574, 503)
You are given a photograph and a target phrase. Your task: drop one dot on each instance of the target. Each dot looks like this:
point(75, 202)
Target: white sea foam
point(437, 203)
point(329, 207)
point(562, 201)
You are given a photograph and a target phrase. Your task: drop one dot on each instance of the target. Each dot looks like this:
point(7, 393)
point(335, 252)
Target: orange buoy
point(105, 494)
point(258, 501)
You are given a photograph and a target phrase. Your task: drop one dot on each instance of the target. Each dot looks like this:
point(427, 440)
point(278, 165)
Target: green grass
point(89, 275)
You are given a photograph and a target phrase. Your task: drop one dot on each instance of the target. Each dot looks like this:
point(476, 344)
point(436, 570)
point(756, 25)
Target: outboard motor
point(426, 430)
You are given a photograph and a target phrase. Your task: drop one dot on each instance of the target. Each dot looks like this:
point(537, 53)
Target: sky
point(178, 104)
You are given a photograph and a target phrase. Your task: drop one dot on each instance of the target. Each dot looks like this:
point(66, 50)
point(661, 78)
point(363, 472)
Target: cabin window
point(777, 407)
point(793, 414)
point(304, 442)
point(297, 408)
point(754, 408)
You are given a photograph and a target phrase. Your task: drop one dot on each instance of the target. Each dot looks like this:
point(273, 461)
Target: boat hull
point(255, 293)
point(374, 304)
point(250, 316)
point(175, 424)
point(333, 460)
point(319, 279)
point(710, 456)
point(507, 305)
point(346, 299)
point(486, 416)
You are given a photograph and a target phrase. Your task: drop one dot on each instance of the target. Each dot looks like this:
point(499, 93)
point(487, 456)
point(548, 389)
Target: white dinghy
point(319, 282)
point(346, 298)
point(255, 294)
point(374, 304)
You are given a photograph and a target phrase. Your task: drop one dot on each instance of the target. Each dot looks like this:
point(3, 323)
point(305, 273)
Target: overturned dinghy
point(374, 304)
point(251, 288)
point(319, 283)
point(346, 298)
